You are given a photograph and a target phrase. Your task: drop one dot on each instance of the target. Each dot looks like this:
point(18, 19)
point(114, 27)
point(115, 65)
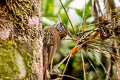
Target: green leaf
point(48, 7)
point(66, 5)
point(79, 12)
point(62, 67)
point(64, 18)
point(87, 11)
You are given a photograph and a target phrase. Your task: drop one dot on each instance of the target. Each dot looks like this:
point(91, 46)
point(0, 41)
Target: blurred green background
point(95, 62)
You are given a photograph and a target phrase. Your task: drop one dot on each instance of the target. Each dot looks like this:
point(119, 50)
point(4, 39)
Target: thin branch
point(103, 52)
point(109, 66)
point(67, 16)
point(84, 20)
point(70, 77)
point(72, 39)
point(92, 66)
point(99, 9)
point(59, 75)
point(58, 65)
point(66, 65)
point(85, 77)
point(94, 9)
point(102, 65)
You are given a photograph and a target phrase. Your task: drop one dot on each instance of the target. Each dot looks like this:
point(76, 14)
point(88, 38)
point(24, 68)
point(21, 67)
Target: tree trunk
point(20, 40)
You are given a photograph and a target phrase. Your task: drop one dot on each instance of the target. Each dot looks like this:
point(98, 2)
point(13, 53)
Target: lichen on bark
point(10, 55)
point(21, 49)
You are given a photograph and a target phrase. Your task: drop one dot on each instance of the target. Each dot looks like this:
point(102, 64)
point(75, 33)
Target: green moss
point(18, 11)
point(8, 66)
point(27, 57)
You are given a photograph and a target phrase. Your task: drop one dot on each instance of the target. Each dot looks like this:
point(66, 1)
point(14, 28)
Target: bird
point(52, 38)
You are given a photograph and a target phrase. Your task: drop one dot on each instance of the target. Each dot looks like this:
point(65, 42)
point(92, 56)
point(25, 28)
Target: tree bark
point(21, 40)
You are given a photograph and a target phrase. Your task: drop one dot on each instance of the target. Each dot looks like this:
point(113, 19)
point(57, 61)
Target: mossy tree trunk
point(20, 40)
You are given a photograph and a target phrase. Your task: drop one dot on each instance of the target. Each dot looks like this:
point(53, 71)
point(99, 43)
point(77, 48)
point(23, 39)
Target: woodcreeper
point(52, 37)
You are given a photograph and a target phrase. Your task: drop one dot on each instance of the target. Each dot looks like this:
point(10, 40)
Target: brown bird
point(52, 37)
